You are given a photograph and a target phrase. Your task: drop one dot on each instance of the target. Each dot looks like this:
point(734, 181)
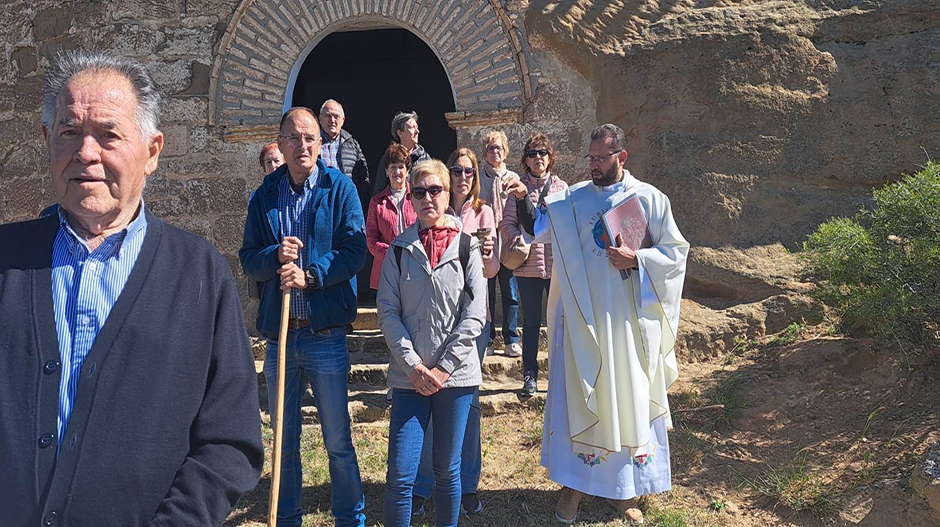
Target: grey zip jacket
point(426, 316)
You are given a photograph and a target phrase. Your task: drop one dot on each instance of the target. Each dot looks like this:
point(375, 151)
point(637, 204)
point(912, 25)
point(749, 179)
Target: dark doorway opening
point(375, 74)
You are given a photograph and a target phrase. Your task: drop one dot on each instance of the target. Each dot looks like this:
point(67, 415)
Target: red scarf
point(436, 240)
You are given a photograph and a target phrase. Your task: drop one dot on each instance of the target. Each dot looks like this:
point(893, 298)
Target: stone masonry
point(759, 118)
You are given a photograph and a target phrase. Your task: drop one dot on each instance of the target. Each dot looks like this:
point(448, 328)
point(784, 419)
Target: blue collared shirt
point(329, 149)
point(295, 212)
point(85, 286)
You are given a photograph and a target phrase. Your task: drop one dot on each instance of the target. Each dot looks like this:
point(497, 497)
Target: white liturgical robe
point(612, 343)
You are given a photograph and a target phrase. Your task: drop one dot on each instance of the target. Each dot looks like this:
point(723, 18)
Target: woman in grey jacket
point(431, 309)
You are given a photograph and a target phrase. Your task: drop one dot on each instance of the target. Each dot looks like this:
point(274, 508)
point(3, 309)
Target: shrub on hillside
point(881, 269)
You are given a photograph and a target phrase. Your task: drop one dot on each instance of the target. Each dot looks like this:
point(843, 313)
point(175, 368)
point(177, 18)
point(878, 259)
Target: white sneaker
point(514, 350)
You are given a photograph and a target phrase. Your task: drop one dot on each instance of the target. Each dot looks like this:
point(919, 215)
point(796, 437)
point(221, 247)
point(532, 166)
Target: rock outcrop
point(926, 479)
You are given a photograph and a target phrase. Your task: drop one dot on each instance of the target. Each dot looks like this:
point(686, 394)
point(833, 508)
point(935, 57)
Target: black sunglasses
point(456, 171)
point(532, 153)
point(420, 192)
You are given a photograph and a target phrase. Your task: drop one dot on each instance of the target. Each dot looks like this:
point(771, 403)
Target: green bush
point(881, 269)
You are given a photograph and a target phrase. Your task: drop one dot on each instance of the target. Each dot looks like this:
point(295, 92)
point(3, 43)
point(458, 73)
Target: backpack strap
point(464, 255)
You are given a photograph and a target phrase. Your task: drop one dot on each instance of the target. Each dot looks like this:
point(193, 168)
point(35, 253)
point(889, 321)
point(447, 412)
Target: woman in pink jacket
point(390, 211)
point(475, 215)
point(534, 275)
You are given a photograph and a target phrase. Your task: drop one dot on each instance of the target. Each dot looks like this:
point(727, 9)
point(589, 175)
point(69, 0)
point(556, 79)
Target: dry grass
point(794, 486)
point(515, 489)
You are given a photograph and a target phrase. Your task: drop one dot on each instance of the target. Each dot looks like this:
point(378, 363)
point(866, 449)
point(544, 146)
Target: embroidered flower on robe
point(593, 459)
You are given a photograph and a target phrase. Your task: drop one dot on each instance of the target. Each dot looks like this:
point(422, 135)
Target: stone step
point(494, 368)
point(371, 369)
point(368, 404)
point(372, 341)
point(366, 318)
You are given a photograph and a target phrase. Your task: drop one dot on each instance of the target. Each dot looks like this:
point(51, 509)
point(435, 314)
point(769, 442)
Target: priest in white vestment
point(611, 340)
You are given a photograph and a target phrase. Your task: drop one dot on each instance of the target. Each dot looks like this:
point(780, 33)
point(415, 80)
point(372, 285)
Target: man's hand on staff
point(292, 277)
point(621, 256)
point(427, 381)
point(289, 250)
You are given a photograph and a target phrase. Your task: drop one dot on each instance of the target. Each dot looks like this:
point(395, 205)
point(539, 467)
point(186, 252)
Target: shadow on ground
point(516, 507)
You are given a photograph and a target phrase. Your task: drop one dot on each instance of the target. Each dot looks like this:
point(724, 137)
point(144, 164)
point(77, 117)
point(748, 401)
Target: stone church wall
point(759, 118)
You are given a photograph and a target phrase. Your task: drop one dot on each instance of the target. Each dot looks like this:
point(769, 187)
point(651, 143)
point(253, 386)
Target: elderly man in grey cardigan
point(431, 309)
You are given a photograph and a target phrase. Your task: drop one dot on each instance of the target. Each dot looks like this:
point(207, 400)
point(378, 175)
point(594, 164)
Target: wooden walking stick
point(279, 410)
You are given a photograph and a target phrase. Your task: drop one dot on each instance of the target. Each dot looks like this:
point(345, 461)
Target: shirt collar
point(328, 141)
point(496, 171)
point(113, 244)
point(621, 186)
point(309, 183)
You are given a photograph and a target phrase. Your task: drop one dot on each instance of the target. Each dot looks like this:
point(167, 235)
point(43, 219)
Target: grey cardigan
point(426, 316)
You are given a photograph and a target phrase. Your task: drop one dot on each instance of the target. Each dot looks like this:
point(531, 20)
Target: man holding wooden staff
point(305, 233)
point(613, 311)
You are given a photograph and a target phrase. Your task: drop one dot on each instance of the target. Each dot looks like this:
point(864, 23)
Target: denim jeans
point(530, 292)
point(411, 413)
point(323, 357)
point(509, 294)
point(471, 457)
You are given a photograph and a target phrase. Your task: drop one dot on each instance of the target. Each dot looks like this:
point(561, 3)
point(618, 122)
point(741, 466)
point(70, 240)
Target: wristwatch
point(312, 280)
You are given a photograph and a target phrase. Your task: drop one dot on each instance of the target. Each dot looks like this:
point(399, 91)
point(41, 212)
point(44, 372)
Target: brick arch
point(268, 40)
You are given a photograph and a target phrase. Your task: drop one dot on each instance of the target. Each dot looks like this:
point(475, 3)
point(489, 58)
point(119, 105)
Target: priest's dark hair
point(612, 131)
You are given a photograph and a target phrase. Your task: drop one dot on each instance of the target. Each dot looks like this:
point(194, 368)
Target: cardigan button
point(50, 518)
point(51, 367)
point(46, 440)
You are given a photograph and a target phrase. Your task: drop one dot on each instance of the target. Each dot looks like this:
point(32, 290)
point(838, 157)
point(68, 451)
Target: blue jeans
point(471, 457)
point(530, 292)
point(509, 294)
point(410, 416)
point(323, 357)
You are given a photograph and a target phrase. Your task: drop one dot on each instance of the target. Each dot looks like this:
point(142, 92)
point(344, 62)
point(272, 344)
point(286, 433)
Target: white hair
point(67, 64)
point(400, 121)
point(328, 101)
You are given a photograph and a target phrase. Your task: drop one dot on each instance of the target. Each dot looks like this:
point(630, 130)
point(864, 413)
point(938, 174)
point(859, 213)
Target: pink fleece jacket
point(473, 220)
point(539, 262)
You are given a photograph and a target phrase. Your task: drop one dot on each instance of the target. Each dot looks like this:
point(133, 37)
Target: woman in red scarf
point(431, 311)
point(475, 217)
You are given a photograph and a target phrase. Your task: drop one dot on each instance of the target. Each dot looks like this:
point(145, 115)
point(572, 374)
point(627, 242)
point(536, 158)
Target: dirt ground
point(806, 430)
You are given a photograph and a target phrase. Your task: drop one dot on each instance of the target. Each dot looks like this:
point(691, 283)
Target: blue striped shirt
point(329, 149)
point(295, 211)
point(85, 286)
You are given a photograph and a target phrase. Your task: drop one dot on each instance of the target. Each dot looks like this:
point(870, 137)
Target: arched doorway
point(374, 74)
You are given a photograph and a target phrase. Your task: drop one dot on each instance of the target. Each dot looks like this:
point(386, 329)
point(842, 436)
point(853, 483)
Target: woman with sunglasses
point(390, 211)
point(431, 309)
point(534, 275)
point(477, 219)
point(495, 177)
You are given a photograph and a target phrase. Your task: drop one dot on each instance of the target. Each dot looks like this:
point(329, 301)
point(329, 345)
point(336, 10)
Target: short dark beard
point(614, 175)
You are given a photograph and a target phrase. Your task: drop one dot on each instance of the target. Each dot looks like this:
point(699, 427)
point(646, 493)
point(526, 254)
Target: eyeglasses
point(531, 154)
point(334, 116)
point(466, 172)
point(494, 148)
point(298, 139)
point(419, 193)
point(595, 159)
